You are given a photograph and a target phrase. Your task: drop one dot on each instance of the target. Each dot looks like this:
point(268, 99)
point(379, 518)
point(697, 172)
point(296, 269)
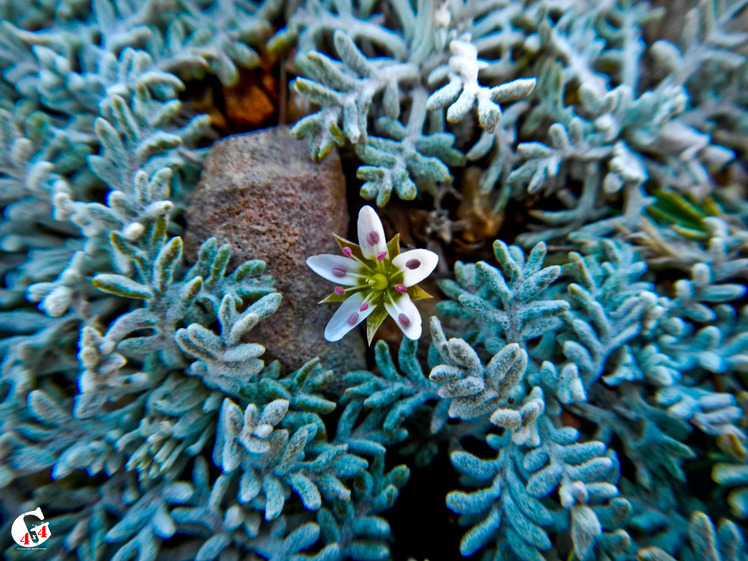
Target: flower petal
point(406, 316)
point(336, 268)
point(416, 265)
point(370, 233)
point(346, 317)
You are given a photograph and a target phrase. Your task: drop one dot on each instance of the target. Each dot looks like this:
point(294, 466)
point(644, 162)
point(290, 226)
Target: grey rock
point(261, 193)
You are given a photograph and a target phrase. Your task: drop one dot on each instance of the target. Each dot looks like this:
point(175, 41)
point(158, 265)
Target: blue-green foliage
point(392, 102)
point(614, 115)
point(609, 306)
point(630, 359)
point(505, 303)
point(388, 399)
point(723, 544)
point(272, 461)
point(585, 384)
point(503, 506)
point(511, 506)
point(121, 360)
point(474, 391)
point(353, 527)
point(537, 458)
point(639, 119)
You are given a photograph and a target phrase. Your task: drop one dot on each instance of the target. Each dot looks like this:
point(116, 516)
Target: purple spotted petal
point(346, 317)
point(336, 268)
point(370, 233)
point(406, 316)
point(416, 265)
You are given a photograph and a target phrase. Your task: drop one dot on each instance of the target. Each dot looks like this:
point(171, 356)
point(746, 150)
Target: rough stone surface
point(261, 193)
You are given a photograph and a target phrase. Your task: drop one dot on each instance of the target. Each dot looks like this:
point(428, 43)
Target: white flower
point(374, 279)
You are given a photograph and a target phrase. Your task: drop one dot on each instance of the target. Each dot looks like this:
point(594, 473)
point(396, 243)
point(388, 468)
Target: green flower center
point(379, 281)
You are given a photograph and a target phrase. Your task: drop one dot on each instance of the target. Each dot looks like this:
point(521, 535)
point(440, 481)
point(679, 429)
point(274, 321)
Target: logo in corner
point(30, 537)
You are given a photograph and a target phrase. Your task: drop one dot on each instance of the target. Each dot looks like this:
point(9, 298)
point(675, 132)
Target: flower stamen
point(339, 290)
point(347, 251)
point(381, 256)
point(401, 288)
